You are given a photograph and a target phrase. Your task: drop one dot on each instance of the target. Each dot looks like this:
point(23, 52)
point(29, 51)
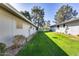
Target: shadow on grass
point(41, 45)
point(57, 50)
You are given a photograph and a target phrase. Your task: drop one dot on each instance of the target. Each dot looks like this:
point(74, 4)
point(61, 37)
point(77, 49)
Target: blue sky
point(49, 8)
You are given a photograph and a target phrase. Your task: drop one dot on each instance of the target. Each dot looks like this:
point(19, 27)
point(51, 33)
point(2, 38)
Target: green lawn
point(66, 42)
point(42, 45)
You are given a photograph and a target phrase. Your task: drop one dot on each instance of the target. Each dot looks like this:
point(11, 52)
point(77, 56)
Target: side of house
point(53, 28)
point(72, 27)
point(69, 27)
point(13, 23)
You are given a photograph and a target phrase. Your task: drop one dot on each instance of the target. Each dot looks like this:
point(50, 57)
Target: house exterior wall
point(61, 29)
point(73, 28)
point(70, 28)
point(8, 27)
point(53, 28)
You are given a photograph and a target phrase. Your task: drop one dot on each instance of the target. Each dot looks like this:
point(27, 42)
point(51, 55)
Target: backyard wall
point(11, 25)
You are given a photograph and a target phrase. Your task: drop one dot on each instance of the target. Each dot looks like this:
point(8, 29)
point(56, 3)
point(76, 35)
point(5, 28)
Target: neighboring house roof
point(12, 10)
point(53, 25)
point(67, 21)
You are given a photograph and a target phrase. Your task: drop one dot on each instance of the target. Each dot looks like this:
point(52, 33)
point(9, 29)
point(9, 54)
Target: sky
point(50, 9)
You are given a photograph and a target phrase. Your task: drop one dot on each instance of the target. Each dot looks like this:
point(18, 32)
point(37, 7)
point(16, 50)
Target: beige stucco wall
point(8, 27)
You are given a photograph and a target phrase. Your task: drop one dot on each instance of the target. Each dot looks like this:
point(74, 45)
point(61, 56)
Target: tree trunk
point(38, 24)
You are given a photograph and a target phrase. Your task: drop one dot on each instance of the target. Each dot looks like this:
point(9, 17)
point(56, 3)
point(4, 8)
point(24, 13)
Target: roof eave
point(12, 10)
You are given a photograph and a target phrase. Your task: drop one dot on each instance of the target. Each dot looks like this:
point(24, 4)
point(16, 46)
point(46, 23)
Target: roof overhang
point(65, 22)
point(12, 10)
point(69, 21)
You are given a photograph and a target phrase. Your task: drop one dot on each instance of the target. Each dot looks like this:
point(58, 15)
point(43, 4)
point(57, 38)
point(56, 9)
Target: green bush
point(2, 47)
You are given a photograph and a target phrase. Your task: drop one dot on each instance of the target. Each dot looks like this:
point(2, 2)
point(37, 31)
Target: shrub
point(2, 48)
point(18, 41)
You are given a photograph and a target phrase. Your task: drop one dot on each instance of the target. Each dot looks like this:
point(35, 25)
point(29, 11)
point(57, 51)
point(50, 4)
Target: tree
point(26, 14)
point(66, 12)
point(75, 13)
point(46, 26)
point(38, 16)
point(48, 22)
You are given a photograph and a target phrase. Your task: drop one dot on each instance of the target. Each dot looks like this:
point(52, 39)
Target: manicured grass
point(68, 43)
point(41, 45)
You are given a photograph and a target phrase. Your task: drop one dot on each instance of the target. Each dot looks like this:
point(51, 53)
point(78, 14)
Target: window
point(63, 25)
point(57, 26)
point(19, 25)
point(36, 28)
